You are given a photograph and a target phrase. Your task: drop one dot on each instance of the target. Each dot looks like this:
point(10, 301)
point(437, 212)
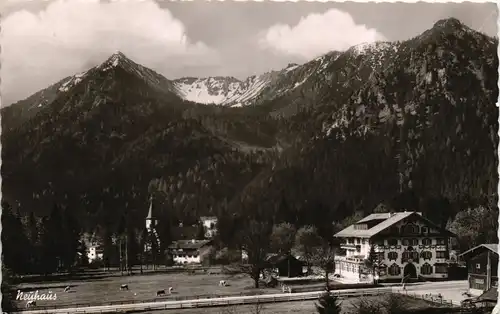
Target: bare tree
point(257, 308)
point(141, 237)
point(323, 257)
point(283, 239)
point(254, 239)
point(306, 239)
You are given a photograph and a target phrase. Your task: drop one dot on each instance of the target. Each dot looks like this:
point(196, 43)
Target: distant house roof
point(376, 217)
point(189, 244)
point(204, 218)
point(490, 295)
point(387, 220)
point(274, 258)
point(491, 247)
point(184, 232)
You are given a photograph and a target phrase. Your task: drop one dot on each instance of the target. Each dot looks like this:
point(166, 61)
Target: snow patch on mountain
point(72, 81)
point(212, 90)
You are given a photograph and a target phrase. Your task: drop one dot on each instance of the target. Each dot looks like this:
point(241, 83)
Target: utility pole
point(121, 256)
point(488, 272)
point(126, 255)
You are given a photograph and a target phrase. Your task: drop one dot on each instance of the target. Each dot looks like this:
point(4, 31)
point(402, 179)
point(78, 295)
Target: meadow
point(103, 288)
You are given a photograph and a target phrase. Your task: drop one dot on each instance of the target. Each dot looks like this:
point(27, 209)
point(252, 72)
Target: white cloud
point(318, 34)
point(67, 37)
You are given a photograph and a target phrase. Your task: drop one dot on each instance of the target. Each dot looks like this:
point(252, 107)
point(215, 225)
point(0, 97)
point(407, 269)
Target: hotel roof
point(387, 220)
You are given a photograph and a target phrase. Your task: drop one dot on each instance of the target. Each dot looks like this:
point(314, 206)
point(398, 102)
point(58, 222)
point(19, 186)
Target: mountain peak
point(449, 23)
point(115, 60)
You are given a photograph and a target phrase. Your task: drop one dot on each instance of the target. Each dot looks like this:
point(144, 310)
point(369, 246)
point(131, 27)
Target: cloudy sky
point(45, 41)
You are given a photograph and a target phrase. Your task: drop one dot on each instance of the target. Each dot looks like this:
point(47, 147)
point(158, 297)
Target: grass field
point(302, 307)
point(104, 290)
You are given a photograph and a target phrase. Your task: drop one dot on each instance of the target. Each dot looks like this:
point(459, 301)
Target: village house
point(94, 250)
point(95, 253)
point(285, 265)
point(210, 225)
point(191, 251)
point(482, 265)
point(406, 245)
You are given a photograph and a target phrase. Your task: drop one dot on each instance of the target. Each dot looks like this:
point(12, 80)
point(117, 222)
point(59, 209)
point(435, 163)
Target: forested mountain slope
point(411, 123)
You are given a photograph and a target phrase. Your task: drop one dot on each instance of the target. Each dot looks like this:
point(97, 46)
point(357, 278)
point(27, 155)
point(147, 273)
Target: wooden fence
point(434, 298)
point(213, 302)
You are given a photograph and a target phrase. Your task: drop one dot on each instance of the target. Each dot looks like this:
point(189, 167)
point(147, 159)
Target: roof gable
point(481, 247)
point(189, 244)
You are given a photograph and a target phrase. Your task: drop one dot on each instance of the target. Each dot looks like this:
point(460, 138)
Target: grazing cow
point(222, 283)
point(31, 303)
point(160, 293)
point(170, 289)
point(67, 288)
point(124, 287)
point(287, 289)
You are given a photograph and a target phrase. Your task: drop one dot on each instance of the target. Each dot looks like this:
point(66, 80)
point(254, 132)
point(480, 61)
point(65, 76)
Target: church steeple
point(150, 219)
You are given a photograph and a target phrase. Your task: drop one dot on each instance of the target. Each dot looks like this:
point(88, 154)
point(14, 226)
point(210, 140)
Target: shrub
point(365, 306)
point(328, 304)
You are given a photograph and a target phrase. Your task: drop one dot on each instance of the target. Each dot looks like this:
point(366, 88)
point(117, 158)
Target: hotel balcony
point(379, 248)
point(349, 246)
point(350, 259)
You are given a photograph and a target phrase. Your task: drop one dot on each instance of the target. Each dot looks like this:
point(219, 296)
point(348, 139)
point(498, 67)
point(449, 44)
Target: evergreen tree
point(200, 232)
point(33, 235)
point(328, 304)
point(72, 233)
point(52, 241)
point(15, 242)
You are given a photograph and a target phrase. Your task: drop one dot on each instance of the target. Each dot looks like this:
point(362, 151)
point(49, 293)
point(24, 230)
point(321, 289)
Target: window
point(394, 270)
point(424, 229)
point(406, 242)
point(414, 256)
point(381, 256)
point(478, 266)
point(393, 242)
point(414, 241)
point(441, 254)
point(405, 256)
point(426, 241)
point(440, 269)
point(392, 256)
point(440, 241)
point(426, 255)
point(426, 269)
point(410, 229)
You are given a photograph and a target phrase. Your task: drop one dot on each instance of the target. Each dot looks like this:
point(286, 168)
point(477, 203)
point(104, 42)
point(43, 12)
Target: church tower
point(150, 219)
point(151, 224)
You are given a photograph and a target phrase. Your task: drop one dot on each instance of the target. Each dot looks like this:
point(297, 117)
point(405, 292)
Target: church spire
point(150, 212)
point(150, 219)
